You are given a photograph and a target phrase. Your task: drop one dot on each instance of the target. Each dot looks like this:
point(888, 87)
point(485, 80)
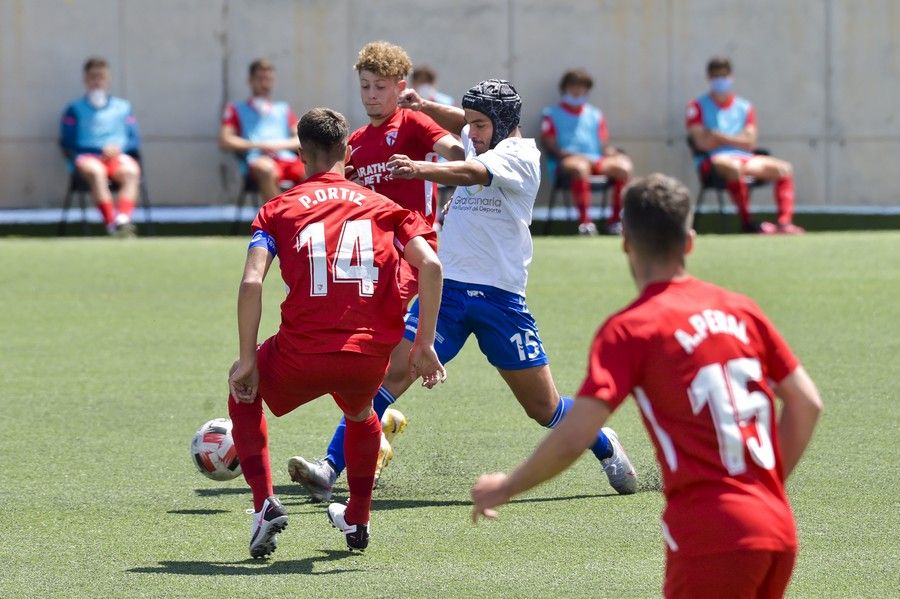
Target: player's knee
point(90, 169)
point(263, 170)
point(785, 169)
point(539, 411)
point(397, 376)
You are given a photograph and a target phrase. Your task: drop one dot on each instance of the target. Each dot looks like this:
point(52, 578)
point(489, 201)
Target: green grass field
point(114, 353)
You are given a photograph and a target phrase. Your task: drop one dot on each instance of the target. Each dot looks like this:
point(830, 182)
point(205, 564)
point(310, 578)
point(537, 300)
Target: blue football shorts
point(506, 331)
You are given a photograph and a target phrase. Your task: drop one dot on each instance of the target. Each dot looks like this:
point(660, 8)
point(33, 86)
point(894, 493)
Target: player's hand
point(488, 492)
point(111, 151)
point(243, 381)
point(410, 98)
point(269, 147)
point(401, 166)
point(350, 174)
point(424, 362)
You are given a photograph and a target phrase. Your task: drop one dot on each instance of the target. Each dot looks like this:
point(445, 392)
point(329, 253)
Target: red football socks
point(581, 197)
point(126, 206)
point(361, 443)
point(618, 186)
point(740, 195)
point(107, 211)
point(251, 440)
point(784, 199)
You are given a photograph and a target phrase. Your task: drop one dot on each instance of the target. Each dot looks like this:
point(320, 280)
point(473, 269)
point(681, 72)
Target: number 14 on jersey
point(354, 261)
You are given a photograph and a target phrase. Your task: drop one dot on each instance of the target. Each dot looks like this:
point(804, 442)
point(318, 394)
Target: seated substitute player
point(704, 365)
point(337, 244)
point(262, 132)
point(723, 125)
point(575, 135)
point(382, 68)
point(97, 133)
point(489, 217)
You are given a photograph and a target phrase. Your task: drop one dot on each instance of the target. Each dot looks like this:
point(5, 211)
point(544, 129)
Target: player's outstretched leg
point(270, 520)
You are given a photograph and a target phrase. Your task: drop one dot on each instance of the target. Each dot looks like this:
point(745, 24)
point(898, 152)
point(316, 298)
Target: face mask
point(574, 100)
point(720, 85)
point(97, 98)
point(262, 105)
point(425, 91)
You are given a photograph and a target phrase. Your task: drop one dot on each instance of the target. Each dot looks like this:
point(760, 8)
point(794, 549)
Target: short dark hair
point(424, 72)
point(323, 131)
point(575, 77)
point(260, 64)
point(657, 215)
point(95, 62)
point(718, 63)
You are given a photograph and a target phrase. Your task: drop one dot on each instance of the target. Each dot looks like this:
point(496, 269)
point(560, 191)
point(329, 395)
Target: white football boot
point(357, 535)
point(618, 468)
point(267, 523)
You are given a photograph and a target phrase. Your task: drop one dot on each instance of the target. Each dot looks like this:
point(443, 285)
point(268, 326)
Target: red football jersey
point(405, 132)
point(701, 362)
point(337, 245)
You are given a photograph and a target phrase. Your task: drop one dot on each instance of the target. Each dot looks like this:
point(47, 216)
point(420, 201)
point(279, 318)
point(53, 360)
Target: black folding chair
point(80, 189)
point(250, 193)
point(710, 179)
point(562, 191)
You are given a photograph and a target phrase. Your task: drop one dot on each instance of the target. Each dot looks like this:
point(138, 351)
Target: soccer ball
point(213, 452)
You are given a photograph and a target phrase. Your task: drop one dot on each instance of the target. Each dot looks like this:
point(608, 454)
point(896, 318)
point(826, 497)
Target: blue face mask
point(574, 100)
point(720, 85)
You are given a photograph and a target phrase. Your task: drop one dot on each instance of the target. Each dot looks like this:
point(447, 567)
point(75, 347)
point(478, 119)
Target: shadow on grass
point(406, 504)
point(197, 512)
point(280, 490)
point(251, 567)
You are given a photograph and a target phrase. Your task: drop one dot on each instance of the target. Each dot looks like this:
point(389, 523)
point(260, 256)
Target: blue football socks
point(602, 448)
point(335, 453)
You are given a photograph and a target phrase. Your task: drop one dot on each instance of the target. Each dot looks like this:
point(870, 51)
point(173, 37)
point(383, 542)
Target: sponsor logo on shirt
point(391, 137)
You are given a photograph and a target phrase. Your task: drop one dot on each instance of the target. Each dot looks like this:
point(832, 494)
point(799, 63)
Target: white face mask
point(262, 105)
point(97, 98)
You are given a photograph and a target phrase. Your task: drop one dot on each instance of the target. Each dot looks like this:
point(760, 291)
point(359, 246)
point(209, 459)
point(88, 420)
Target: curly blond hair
point(384, 59)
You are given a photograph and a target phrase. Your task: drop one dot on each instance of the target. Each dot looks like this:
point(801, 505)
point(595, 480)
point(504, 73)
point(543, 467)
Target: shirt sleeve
point(602, 131)
point(411, 224)
point(751, 116)
point(612, 366)
point(506, 170)
point(431, 132)
point(548, 129)
point(778, 358)
point(693, 115)
point(262, 222)
point(230, 117)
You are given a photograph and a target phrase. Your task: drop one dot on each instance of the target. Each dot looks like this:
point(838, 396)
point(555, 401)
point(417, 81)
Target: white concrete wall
point(824, 76)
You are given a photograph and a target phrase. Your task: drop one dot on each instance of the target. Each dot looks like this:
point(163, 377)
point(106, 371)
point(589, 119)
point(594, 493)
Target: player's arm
point(703, 139)
point(457, 172)
point(244, 377)
point(451, 118)
point(558, 451)
point(423, 360)
point(746, 139)
point(230, 140)
point(802, 406)
point(449, 148)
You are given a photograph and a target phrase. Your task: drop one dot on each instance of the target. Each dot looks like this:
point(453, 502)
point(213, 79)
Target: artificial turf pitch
point(113, 353)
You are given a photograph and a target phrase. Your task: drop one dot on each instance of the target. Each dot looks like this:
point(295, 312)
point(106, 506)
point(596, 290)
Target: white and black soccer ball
point(213, 451)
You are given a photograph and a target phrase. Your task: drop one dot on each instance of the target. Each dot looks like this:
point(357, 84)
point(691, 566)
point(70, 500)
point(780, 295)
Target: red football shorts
point(111, 165)
point(737, 575)
point(351, 378)
point(597, 167)
point(290, 170)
